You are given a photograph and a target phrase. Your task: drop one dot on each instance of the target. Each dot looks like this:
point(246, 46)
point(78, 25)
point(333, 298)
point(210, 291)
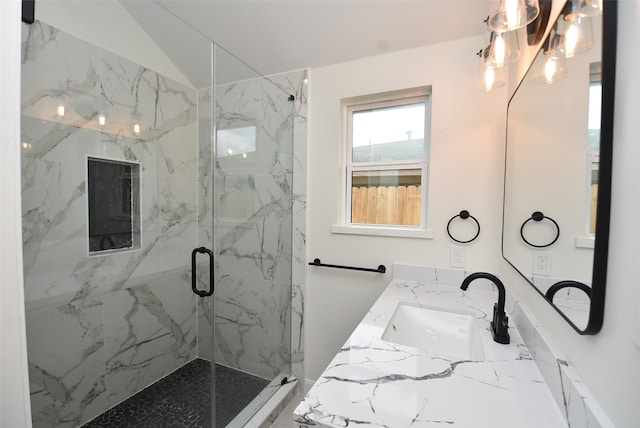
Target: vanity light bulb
point(229, 152)
point(503, 49)
point(578, 36)
point(60, 110)
point(499, 49)
point(571, 40)
point(549, 70)
point(136, 128)
point(511, 11)
point(244, 156)
point(489, 78)
point(102, 120)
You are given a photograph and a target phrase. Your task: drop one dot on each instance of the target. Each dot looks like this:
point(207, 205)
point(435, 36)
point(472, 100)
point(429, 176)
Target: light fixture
point(508, 15)
point(229, 152)
point(503, 49)
point(136, 128)
point(577, 35)
point(489, 77)
point(244, 155)
point(60, 110)
point(551, 67)
point(102, 120)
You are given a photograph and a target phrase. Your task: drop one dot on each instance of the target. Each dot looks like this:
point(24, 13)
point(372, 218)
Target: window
point(114, 205)
point(593, 143)
point(387, 159)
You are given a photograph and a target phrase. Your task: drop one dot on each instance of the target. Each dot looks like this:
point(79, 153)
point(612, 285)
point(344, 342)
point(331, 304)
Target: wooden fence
point(386, 205)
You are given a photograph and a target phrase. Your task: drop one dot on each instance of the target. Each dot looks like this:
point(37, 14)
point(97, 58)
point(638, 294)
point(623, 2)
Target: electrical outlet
point(541, 263)
point(456, 258)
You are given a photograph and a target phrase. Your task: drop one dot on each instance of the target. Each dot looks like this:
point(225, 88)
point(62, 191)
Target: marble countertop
point(374, 383)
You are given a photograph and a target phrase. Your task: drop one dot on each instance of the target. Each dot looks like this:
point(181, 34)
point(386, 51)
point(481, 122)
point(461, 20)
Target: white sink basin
point(441, 332)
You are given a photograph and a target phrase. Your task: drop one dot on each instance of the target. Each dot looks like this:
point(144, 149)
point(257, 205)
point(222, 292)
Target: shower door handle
point(201, 293)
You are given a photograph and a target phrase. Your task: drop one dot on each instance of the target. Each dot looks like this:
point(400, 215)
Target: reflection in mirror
point(236, 155)
point(553, 166)
point(593, 144)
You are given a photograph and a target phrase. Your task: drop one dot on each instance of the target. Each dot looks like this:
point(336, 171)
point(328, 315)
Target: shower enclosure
point(157, 195)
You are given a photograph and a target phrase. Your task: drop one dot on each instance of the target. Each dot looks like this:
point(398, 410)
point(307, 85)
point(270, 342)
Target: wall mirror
point(558, 167)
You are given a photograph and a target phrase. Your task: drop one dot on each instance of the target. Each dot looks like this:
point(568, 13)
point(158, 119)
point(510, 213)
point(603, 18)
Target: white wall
point(466, 170)
point(14, 384)
point(608, 363)
point(95, 22)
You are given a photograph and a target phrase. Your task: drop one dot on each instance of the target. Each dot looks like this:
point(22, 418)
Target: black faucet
point(500, 323)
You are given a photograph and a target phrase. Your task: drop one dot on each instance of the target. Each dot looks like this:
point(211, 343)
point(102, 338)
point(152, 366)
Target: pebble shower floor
point(182, 399)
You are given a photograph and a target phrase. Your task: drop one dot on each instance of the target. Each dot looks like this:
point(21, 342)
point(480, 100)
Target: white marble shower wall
point(253, 229)
point(100, 328)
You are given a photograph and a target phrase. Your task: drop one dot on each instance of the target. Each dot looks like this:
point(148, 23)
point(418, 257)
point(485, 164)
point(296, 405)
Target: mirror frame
point(601, 244)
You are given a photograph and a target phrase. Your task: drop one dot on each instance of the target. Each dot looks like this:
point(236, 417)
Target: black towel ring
point(464, 214)
point(538, 216)
point(566, 284)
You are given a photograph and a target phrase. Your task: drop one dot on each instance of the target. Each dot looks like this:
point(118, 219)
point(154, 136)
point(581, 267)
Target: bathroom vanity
point(377, 381)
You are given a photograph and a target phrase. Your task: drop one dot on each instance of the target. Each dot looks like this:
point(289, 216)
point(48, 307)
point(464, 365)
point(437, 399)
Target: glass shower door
point(115, 136)
point(252, 223)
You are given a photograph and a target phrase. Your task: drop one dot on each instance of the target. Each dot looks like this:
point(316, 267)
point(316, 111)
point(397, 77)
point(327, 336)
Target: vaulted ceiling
point(275, 36)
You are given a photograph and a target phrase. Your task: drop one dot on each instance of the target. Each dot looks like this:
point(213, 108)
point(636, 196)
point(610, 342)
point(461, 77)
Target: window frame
point(378, 101)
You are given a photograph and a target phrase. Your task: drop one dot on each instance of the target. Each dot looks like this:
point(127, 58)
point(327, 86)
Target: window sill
point(585, 241)
point(398, 232)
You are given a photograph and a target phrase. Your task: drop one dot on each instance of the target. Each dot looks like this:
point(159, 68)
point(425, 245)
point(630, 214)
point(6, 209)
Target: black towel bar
point(379, 269)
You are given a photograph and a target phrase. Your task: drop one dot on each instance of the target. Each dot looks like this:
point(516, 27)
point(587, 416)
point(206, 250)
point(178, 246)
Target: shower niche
point(113, 196)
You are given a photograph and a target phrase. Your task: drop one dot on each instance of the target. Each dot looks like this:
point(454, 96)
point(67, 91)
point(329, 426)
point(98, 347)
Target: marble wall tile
point(206, 331)
point(55, 228)
point(252, 232)
point(71, 77)
point(258, 225)
point(149, 331)
point(135, 94)
point(66, 364)
point(103, 327)
point(252, 327)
